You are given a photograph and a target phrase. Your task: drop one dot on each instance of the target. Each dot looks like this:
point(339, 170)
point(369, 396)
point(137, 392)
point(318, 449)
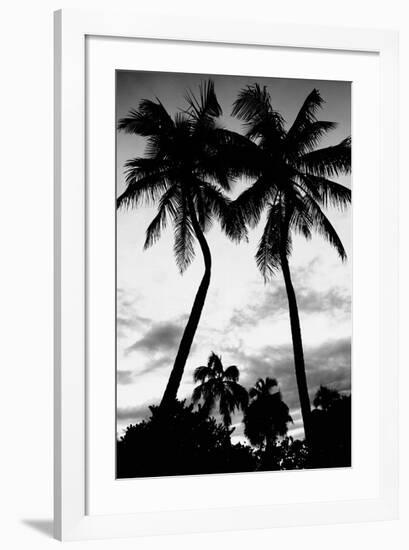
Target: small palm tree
point(325, 397)
point(267, 416)
point(219, 385)
point(294, 183)
point(185, 172)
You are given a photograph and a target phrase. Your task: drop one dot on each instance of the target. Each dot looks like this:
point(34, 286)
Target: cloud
point(133, 414)
point(334, 301)
point(155, 364)
point(125, 376)
point(158, 346)
point(161, 337)
point(326, 364)
point(128, 317)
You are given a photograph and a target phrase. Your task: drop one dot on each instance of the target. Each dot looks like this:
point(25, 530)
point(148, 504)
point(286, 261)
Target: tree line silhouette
point(188, 440)
point(191, 163)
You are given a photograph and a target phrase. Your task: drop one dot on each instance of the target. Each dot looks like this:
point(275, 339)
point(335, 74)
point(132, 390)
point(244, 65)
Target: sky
point(244, 320)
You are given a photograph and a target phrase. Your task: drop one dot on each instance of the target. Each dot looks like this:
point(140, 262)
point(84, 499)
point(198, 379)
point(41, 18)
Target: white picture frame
point(72, 519)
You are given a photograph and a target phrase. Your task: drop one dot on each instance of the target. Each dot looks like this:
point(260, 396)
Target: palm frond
point(201, 373)
point(151, 118)
point(145, 180)
point(327, 162)
point(324, 227)
point(253, 106)
point(327, 192)
point(252, 201)
point(232, 373)
point(253, 102)
point(305, 116)
point(215, 363)
point(241, 156)
point(300, 219)
point(167, 204)
point(204, 212)
point(206, 105)
point(308, 138)
point(183, 237)
point(228, 215)
point(148, 189)
point(272, 242)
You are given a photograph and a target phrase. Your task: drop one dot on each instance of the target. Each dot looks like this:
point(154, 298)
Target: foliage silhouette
point(330, 443)
point(292, 185)
point(265, 419)
point(185, 171)
point(219, 385)
point(183, 441)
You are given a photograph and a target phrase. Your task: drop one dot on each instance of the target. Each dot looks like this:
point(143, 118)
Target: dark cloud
point(159, 345)
point(327, 364)
point(161, 337)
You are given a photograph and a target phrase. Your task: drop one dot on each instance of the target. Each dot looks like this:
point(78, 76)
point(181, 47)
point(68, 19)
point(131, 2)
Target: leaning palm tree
point(219, 385)
point(267, 416)
point(185, 171)
point(294, 183)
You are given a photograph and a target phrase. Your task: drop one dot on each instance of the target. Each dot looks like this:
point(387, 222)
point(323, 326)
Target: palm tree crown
point(294, 177)
point(184, 170)
point(219, 384)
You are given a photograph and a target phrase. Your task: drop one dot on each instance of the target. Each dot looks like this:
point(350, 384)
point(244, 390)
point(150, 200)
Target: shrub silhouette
point(330, 444)
point(181, 442)
point(185, 441)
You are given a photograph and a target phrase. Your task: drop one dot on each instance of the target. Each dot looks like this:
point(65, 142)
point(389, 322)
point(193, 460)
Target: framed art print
point(179, 318)
point(226, 263)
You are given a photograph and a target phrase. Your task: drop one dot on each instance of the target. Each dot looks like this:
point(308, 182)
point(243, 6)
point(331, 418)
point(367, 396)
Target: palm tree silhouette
point(325, 397)
point(185, 171)
point(219, 385)
point(292, 186)
point(266, 416)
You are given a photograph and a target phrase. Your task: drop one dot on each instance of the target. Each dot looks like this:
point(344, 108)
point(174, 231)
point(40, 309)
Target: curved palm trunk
point(297, 348)
point(190, 330)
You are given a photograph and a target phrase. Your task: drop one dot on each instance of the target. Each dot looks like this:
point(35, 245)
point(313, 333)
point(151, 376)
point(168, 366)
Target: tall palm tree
point(266, 416)
point(219, 385)
point(185, 171)
point(294, 183)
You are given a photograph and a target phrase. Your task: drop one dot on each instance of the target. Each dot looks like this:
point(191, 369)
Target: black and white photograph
point(233, 274)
